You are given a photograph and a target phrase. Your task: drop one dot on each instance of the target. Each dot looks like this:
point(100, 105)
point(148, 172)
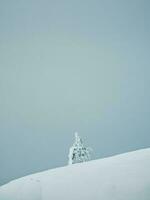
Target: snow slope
point(121, 177)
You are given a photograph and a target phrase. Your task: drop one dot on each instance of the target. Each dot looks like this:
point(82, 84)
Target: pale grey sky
point(69, 66)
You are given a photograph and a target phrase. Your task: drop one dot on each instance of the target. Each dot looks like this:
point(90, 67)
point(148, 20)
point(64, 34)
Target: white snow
point(121, 177)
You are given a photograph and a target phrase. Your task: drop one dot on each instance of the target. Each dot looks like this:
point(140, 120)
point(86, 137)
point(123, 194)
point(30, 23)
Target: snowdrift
point(121, 177)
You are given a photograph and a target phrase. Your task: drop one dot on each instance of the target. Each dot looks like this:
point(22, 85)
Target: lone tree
point(78, 152)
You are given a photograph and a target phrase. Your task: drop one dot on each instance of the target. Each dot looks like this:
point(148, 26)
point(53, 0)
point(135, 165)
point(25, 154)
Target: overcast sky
point(69, 66)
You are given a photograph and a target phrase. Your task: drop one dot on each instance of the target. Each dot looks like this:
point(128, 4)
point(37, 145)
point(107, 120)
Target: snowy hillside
point(122, 177)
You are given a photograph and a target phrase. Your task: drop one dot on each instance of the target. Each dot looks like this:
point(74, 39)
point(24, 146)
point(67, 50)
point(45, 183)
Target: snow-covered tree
point(78, 152)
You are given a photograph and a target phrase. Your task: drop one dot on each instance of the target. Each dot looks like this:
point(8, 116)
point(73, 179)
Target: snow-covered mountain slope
point(121, 177)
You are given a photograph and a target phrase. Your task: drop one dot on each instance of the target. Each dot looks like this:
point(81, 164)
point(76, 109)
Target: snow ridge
point(122, 177)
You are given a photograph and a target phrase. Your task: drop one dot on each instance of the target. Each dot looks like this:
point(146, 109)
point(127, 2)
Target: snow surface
point(121, 177)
